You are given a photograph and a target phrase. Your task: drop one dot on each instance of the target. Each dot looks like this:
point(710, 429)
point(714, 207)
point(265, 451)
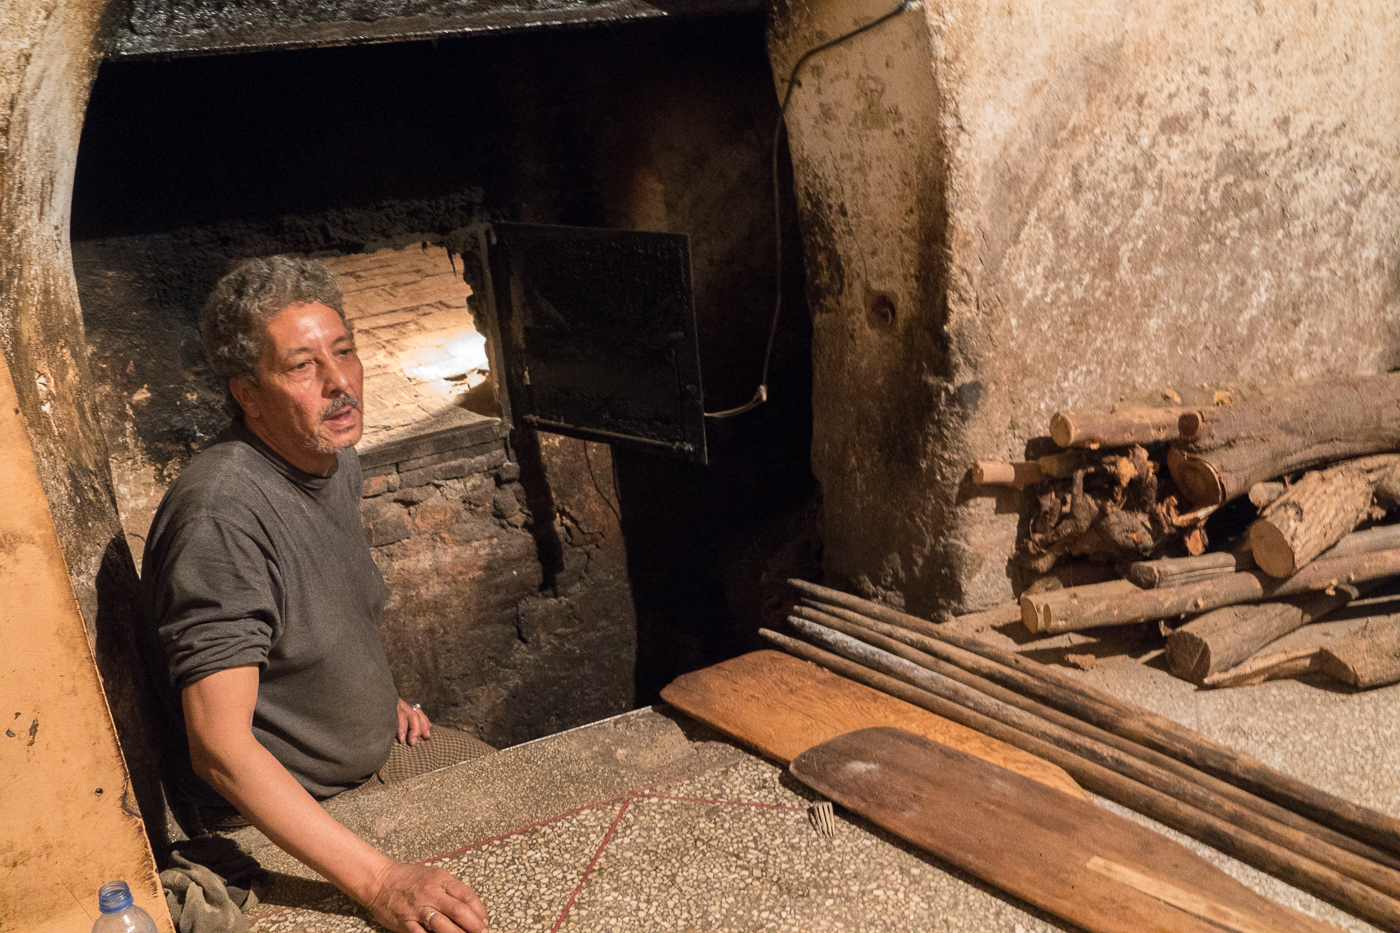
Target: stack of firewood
point(1137, 488)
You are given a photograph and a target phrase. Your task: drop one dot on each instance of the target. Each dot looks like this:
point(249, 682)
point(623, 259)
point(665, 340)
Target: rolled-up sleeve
point(216, 600)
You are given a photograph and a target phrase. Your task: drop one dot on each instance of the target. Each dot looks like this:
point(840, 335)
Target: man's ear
point(245, 394)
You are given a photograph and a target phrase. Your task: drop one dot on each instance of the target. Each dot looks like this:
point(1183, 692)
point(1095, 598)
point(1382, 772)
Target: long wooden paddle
point(1058, 852)
point(782, 706)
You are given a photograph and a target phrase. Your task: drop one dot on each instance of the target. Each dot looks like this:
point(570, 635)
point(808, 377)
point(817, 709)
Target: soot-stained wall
point(538, 582)
point(1070, 202)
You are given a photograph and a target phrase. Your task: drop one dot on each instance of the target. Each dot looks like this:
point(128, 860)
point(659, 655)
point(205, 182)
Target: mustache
point(339, 404)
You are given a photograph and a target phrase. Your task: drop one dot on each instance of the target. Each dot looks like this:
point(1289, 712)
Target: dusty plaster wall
point(48, 57)
point(1070, 203)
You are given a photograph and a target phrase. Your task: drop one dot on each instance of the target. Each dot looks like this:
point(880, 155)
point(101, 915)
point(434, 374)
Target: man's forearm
point(225, 753)
point(250, 778)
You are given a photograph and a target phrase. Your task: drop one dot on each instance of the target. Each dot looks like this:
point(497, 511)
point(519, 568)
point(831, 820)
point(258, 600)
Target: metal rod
point(563, 428)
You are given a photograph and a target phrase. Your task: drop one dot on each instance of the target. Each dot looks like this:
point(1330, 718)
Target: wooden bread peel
point(782, 706)
point(1065, 855)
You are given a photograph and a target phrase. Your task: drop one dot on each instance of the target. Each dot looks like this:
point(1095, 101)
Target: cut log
point(1224, 451)
point(1262, 667)
point(1058, 604)
point(1370, 658)
point(1179, 571)
point(1115, 428)
point(1314, 514)
point(1003, 614)
point(1061, 465)
point(1380, 538)
point(1387, 492)
point(1219, 640)
point(1103, 604)
point(1262, 494)
point(993, 473)
point(1351, 409)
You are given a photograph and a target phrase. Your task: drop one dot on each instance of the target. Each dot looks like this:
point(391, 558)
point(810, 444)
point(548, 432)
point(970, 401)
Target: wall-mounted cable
point(761, 394)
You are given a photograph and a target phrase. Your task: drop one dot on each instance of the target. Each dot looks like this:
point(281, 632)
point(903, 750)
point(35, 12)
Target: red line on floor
point(577, 810)
point(522, 829)
point(624, 799)
point(587, 871)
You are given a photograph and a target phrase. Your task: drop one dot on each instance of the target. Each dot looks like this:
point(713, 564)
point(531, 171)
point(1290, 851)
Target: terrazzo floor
point(727, 844)
point(649, 822)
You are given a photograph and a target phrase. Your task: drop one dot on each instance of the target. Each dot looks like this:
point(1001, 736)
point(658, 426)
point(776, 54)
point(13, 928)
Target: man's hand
point(224, 752)
point(420, 899)
point(413, 725)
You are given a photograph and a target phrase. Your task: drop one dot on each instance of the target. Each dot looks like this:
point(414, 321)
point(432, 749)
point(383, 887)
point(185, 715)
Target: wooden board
point(1062, 854)
point(782, 706)
point(68, 819)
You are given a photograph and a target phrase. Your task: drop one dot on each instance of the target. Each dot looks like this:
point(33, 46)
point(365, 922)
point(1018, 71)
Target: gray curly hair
point(231, 324)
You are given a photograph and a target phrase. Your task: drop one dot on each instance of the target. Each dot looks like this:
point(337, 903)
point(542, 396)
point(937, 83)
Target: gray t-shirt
point(252, 561)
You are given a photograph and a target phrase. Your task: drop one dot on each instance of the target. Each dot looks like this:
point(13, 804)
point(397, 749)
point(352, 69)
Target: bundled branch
point(1334, 849)
point(1110, 508)
point(1132, 489)
point(1103, 497)
point(1115, 428)
point(1178, 571)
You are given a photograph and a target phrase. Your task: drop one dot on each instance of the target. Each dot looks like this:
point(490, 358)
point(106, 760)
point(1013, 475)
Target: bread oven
point(541, 238)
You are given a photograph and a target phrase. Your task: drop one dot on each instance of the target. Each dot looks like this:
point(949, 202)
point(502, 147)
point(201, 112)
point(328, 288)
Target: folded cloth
point(210, 883)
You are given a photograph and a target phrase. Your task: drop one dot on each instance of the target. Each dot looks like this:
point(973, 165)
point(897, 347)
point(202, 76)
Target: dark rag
point(209, 883)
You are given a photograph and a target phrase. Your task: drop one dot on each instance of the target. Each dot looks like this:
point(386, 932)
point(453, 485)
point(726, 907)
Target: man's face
point(306, 403)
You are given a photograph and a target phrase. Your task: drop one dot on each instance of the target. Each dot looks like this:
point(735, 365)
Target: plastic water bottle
point(119, 914)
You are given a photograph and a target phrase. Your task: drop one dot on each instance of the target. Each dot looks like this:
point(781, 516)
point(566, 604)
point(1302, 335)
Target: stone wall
point(508, 623)
point(1070, 202)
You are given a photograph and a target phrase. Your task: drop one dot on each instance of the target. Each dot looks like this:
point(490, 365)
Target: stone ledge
point(385, 458)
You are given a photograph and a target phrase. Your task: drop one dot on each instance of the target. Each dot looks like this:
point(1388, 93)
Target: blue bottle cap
point(114, 897)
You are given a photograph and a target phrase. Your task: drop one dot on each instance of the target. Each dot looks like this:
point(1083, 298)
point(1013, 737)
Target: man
point(263, 598)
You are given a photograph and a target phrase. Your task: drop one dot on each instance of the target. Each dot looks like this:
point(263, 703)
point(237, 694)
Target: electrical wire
point(761, 394)
point(588, 458)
